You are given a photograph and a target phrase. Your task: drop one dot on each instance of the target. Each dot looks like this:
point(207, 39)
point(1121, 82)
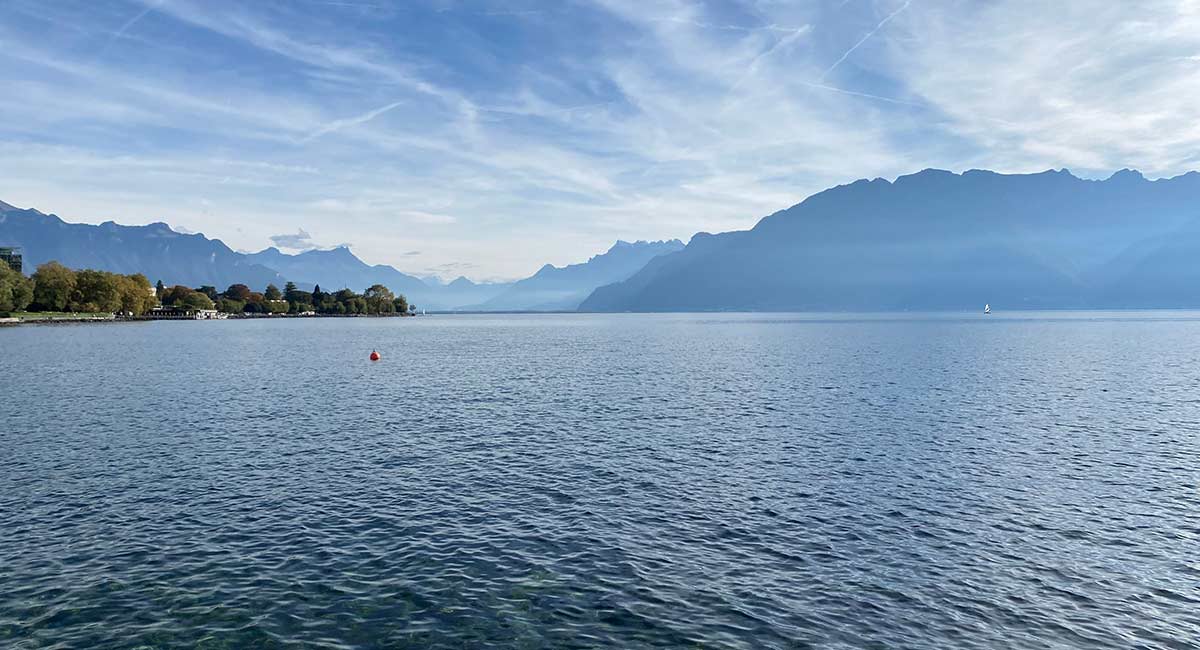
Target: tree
point(288, 288)
point(238, 292)
point(230, 306)
point(53, 285)
point(255, 307)
point(159, 289)
point(176, 293)
point(136, 296)
point(272, 293)
point(96, 291)
point(209, 291)
point(401, 304)
point(194, 301)
point(379, 300)
point(317, 295)
point(16, 290)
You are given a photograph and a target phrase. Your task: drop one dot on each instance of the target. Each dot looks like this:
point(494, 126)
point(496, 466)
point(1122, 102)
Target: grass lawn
point(57, 315)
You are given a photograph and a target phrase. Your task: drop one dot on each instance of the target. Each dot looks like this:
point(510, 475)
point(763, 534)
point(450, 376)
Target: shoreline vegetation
point(57, 294)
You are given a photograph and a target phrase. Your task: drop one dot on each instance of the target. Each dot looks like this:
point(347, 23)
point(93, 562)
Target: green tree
point(96, 291)
point(53, 285)
point(272, 293)
point(238, 292)
point(379, 300)
point(16, 290)
point(209, 291)
point(136, 295)
point(159, 289)
point(401, 304)
point(195, 301)
point(230, 306)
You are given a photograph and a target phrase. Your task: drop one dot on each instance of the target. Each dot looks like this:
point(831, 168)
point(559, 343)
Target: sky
point(467, 137)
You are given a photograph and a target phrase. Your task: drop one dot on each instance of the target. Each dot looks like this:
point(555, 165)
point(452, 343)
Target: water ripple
point(603, 481)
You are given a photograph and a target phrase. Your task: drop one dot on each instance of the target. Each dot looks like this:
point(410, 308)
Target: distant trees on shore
point(239, 298)
point(56, 288)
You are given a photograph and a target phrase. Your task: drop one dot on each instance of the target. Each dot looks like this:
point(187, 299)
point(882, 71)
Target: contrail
point(753, 66)
point(865, 39)
point(338, 125)
point(129, 23)
point(891, 100)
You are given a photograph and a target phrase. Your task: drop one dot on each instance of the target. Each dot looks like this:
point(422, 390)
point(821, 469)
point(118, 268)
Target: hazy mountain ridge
point(193, 259)
point(336, 268)
point(939, 240)
point(563, 288)
point(154, 250)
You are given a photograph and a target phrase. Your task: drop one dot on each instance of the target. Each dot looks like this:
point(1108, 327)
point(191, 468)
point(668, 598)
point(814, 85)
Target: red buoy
point(375, 356)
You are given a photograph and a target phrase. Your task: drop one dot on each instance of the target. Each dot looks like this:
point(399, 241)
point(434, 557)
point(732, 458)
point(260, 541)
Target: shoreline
point(73, 320)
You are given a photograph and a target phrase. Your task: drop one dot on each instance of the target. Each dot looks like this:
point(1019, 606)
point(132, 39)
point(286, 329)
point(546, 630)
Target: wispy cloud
point(542, 135)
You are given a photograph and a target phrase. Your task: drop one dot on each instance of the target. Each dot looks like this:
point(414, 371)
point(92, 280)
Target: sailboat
point(987, 309)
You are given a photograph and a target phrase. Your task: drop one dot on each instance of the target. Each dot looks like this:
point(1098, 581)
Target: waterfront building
point(11, 257)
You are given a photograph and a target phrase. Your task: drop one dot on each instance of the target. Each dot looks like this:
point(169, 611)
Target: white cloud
point(683, 117)
point(1032, 85)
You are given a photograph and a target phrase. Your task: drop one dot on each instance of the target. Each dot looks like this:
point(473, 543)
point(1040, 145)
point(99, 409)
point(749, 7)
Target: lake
point(1024, 480)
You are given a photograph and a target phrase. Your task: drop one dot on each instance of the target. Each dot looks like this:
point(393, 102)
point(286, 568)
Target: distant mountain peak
point(642, 243)
point(4, 207)
point(1127, 175)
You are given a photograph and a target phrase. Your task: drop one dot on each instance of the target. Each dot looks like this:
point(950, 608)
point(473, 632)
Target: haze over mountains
point(553, 288)
point(928, 241)
point(937, 240)
point(194, 260)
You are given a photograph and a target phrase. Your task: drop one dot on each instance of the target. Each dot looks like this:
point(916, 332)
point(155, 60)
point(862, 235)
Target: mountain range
point(934, 240)
point(161, 253)
point(556, 289)
point(154, 250)
point(937, 240)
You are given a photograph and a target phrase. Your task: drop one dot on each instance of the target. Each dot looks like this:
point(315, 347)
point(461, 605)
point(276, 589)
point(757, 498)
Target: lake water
point(628, 481)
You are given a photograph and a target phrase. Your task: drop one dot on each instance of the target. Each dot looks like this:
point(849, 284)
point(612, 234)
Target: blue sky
point(488, 138)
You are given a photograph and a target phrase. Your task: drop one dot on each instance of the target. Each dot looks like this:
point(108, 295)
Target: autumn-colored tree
point(176, 293)
point(238, 292)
